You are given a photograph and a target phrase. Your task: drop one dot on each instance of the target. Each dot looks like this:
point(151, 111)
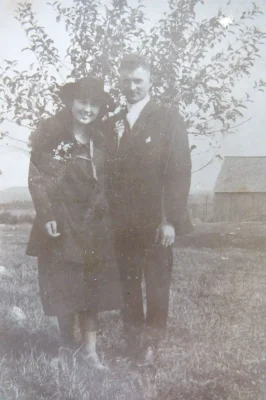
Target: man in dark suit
point(148, 172)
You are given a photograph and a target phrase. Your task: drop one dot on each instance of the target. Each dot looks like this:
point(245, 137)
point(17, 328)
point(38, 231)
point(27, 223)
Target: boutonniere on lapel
point(120, 128)
point(148, 140)
point(63, 152)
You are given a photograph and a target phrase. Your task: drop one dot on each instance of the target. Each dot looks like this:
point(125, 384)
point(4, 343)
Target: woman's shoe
point(94, 361)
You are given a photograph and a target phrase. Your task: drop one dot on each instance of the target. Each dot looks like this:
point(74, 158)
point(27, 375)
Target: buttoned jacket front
point(148, 171)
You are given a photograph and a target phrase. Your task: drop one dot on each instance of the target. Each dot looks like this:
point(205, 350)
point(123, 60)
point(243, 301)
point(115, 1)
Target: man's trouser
point(154, 264)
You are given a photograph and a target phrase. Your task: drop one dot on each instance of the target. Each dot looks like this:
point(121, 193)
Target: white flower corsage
point(63, 151)
point(119, 129)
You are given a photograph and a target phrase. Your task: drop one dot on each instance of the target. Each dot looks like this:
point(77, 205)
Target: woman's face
point(85, 111)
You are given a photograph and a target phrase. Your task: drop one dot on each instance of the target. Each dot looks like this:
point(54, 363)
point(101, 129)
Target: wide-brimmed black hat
point(84, 88)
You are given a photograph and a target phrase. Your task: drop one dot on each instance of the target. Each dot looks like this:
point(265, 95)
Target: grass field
point(216, 344)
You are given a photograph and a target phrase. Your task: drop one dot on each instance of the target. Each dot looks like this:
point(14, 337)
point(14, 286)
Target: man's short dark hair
point(133, 61)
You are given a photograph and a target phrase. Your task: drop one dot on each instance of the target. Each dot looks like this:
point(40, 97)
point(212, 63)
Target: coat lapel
point(139, 130)
point(119, 126)
point(145, 116)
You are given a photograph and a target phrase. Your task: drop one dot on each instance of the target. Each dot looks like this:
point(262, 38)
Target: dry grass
point(216, 344)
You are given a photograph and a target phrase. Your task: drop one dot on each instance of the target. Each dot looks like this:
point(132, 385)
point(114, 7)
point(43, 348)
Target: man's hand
point(165, 235)
point(51, 229)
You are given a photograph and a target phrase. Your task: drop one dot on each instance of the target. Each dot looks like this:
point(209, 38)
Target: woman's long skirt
point(65, 288)
point(68, 287)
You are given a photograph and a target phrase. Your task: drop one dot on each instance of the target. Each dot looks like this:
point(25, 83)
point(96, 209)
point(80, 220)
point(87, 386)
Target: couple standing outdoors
point(109, 191)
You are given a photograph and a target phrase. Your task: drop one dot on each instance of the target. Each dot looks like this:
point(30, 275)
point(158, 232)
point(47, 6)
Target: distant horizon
point(26, 187)
point(21, 194)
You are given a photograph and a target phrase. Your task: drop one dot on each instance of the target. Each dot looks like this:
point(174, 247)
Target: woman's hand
point(51, 229)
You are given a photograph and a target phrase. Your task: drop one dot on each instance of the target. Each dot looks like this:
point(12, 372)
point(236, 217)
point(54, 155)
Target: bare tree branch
point(204, 166)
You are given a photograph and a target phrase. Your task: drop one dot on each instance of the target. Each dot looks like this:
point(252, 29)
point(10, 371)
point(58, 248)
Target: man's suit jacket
point(148, 172)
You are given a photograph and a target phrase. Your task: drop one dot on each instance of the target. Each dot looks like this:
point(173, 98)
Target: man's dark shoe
point(147, 357)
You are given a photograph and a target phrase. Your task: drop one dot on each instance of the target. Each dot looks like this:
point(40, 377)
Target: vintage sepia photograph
point(133, 200)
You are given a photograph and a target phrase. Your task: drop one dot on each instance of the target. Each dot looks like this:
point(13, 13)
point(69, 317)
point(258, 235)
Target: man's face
point(135, 84)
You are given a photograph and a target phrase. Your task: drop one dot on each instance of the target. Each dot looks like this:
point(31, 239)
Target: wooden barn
point(240, 190)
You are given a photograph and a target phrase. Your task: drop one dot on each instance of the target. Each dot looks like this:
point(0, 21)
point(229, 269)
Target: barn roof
point(242, 175)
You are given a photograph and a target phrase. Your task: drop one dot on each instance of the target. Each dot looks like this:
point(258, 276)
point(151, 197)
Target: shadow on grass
point(214, 240)
point(210, 391)
point(19, 341)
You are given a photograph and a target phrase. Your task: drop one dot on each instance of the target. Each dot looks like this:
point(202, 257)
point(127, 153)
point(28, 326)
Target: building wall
point(239, 206)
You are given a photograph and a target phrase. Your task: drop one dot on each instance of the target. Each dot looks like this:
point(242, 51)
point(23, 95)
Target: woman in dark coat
point(71, 235)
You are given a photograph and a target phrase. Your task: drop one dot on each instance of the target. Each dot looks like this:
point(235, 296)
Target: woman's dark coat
point(67, 191)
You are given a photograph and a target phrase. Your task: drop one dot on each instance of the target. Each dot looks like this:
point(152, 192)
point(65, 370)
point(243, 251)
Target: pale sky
point(248, 141)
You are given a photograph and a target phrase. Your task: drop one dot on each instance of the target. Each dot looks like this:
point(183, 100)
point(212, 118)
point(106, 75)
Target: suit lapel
point(146, 114)
point(119, 126)
point(139, 130)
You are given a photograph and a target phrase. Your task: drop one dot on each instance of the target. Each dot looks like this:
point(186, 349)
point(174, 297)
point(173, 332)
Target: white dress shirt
point(134, 110)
